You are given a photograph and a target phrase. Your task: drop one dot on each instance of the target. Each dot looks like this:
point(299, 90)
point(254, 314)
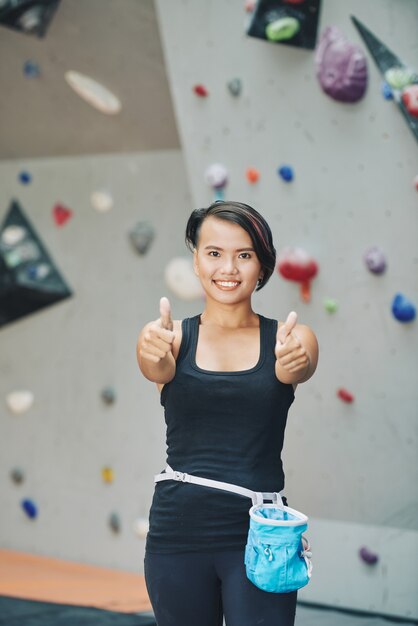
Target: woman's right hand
point(158, 336)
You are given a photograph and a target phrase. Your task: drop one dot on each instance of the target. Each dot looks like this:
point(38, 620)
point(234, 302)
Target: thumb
point(286, 328)
point(165, 314)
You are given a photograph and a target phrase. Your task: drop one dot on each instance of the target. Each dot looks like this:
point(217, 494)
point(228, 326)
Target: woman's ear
point(195, 263)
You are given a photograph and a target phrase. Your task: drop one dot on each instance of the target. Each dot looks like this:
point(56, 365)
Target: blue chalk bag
point(277, 554)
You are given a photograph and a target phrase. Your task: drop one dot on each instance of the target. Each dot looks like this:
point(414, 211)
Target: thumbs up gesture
point(291, 356)
point(157, 337)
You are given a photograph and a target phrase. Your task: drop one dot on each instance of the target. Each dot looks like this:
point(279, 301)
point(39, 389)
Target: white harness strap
point(257, 497)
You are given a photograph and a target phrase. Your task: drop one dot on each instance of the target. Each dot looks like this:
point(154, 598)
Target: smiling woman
point(227, 378)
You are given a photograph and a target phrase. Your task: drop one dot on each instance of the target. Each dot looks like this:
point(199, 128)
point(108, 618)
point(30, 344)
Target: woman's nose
point(229, 266)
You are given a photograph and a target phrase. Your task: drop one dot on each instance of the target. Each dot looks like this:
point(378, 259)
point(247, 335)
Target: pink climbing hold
point(200, 90)
point(295, 264)
point(61, 214)
point(410, 99)
point(345, 395)
point(416, 182)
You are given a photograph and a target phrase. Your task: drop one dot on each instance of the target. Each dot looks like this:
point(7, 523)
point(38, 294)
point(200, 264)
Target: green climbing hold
point(400, 77)
point(282, 29)
point(330, 305)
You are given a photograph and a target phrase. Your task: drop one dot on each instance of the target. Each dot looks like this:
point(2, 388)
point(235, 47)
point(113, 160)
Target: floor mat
point(18, 612)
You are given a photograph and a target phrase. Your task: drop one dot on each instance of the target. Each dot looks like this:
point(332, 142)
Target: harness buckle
point(180, 476)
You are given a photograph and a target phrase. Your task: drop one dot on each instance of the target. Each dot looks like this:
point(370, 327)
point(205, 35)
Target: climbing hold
point(416, 182)
point(410, 99)
point(216, 176)
point(61, 214)
point(101, 200)
point(282, 29)
point(345, 395)
point(387, 92)
point(38, 271)
point(403, 309)
point(400, 77)
point(375, 260)
point(286, 172)
point(367, 556)
point(330, 305)
point(17, 475)
point(31, 69)
point(108, 474)
point(114, 522)
point(141, 527)
point(295, 264)
point(96, 94)
point(30, 508)
point(25, 177)
point(200, 90)
point(181, 279)
point(108, 395)
point(252, 175)
point(235, 86)
point(19, 401)
point(12, 235)
point(141, 236)
point(250, 6)
point(341, 67)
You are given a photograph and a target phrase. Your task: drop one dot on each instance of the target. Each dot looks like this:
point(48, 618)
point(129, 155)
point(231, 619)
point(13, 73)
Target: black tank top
point(227, 426)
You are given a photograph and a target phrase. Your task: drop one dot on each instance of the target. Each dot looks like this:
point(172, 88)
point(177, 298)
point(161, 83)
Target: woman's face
point(225, 261)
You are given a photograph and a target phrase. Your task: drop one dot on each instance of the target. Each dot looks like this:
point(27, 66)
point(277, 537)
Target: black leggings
point(198, 589)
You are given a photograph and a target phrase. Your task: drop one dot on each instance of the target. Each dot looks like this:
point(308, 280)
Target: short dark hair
point(246, 217)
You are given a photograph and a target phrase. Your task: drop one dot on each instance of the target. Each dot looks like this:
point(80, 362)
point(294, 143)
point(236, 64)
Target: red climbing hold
point(410, 99)
point(61, 214)
point(345, 396)
point(200, 90)
point(295, 264)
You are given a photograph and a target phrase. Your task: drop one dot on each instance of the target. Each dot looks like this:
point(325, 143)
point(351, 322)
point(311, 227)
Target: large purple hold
point(367, 556)
point(341, 66)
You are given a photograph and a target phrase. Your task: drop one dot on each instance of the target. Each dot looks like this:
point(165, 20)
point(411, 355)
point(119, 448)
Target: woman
point(227, 379)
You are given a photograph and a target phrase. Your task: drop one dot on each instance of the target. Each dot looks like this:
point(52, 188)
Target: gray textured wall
point(352, 468)
point(67, 353)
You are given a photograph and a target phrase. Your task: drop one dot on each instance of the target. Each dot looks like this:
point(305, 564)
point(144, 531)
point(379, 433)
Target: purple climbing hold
point(375, 260)
point(286, 172)
point(25, 178)
point(403, 309)
point(367, 556)
point(30, 508)
point(341, 67)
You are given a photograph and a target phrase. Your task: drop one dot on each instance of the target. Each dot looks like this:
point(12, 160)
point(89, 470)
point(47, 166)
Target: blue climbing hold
point(30, 508)
point(286, 172)
point(403, 309)
point(25, 178)
point(387, 92)
point(31, 69)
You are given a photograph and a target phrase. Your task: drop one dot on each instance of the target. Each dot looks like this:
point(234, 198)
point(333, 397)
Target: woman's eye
point(213, 252)
point(247, 255)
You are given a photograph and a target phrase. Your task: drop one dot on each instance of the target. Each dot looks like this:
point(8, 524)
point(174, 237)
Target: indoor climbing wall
point(84, 243)
point(322, 140)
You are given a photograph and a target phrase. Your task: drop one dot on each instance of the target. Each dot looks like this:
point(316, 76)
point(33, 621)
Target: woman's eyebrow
point(238, 249)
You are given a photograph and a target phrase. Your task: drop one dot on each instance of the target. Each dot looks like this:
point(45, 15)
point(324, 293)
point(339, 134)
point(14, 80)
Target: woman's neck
point(229, 316)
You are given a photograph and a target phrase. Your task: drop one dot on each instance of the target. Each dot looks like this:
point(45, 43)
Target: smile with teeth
point(226, 283)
